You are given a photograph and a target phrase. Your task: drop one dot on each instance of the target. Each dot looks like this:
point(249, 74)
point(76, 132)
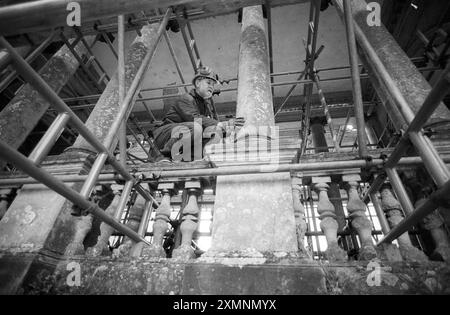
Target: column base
point(389, 252)
point(367, 253)
point(335, 253)
point(184, 252)
point(410, 253)
point(154, 251)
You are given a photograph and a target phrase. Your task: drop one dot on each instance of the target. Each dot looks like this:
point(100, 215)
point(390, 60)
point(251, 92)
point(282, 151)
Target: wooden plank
point(28, 16)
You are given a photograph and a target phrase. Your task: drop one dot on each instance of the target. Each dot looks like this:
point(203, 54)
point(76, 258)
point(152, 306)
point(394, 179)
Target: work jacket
point(189, 107)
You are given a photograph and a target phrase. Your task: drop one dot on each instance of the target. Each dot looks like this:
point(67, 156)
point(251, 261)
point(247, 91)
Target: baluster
point(134, 220)
point(328, 223)
point(4, 194)
point(83, 225)
point(393, 211)
point(356, 209)
point(189, 221)
point(435, 224)
point(299, 213)
point(101, 246)
point(161, 224)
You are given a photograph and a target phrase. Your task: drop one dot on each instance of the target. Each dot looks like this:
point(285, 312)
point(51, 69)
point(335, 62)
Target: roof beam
point(40, 15)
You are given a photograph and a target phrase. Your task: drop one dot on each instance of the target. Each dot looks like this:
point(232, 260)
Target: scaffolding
point(412, 136)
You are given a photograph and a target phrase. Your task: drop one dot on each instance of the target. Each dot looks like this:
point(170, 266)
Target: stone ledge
point(277, 275)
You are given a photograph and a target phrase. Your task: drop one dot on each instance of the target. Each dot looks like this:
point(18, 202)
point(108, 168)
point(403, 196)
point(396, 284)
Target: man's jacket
point(189, 107)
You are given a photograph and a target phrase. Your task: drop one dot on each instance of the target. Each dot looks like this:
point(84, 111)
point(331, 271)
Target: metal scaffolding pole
point(97, 96)
point(33, 55)
point(142, 99)
point(432, 161)
point(356, 83)
point(24, 111)
point(326, 111)
point(436, 199)
point(122, 88)
point(47, 92)
point(126, 107)
point(230, 170)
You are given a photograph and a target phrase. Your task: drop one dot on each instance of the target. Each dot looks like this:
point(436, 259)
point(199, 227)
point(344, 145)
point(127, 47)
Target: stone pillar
point(25, 110)
point(189, 221)
point(394, 214)
point(254, 212)
point(435, 224)
point(107, 107)
point(328, 223)
point(356, 209)
point(161, 224)
point(404, 73)
point(299, 213)
point(101, 246)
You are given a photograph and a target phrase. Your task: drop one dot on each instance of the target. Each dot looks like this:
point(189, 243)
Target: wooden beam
point(40, 15)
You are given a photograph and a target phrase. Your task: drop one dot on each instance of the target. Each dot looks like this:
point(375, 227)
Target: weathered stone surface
point(28, 223)
point(254, 211)
point(285, 275)
point(252, 279)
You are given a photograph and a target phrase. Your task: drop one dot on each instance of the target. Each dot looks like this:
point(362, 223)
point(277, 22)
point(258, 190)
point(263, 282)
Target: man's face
point(205, 87)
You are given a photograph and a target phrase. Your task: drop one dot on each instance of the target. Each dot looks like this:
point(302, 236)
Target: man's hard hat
point(205, 72)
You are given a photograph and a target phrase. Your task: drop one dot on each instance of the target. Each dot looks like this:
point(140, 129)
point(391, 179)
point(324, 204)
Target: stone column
point(435, 224)
point(107, 107)
point(328, 223)
point(394, 214)
point(254, 212)
point(189, 221)
point(101, 247)
point(299, 213)
point(161, 224)
point(404, 73)
point(25, 110)
point(356, 209)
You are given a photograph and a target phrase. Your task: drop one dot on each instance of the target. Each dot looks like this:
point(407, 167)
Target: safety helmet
point(205, 72)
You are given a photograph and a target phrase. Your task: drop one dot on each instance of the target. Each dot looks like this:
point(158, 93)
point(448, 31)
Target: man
point(179, 119)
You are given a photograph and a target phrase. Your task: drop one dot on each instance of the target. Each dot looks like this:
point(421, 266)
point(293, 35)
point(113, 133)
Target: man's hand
point(233, 124)
point(238, 122)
